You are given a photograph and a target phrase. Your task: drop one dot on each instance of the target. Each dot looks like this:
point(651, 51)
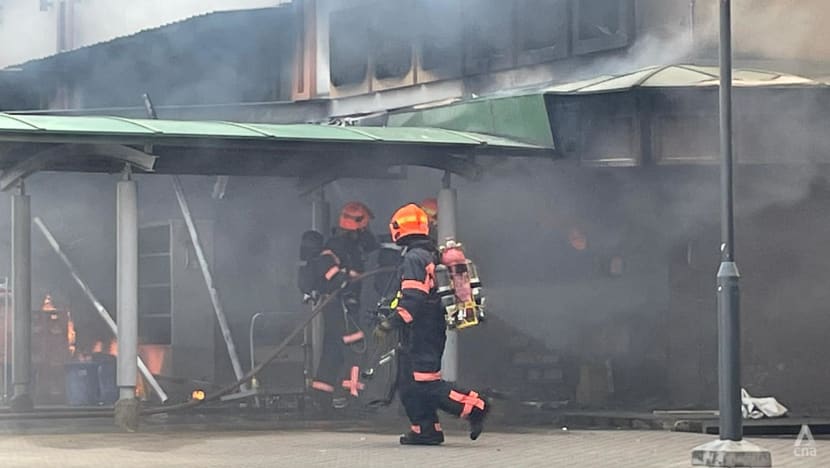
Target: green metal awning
point(521, 117)
point(102, 144)
point(600, 121)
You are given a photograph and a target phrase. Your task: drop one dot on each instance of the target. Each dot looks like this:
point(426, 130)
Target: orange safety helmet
point(430, 206)
point(355, 216)
point(409, 220)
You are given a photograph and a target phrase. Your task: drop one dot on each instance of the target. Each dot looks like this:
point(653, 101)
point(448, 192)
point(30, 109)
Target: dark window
point(154, 300)
point(542, 30)
point(601, 24)
point(684, 126)
point(609, 131)
point(598, 18)
point(441, 41)
point(154, 285)
point(392, 42)
point(348, 46)
point(489, 35)
point(155, 267)
point(154, 330)
point(154, 239)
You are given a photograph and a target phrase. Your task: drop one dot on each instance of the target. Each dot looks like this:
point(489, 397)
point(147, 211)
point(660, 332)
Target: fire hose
point(230, 388)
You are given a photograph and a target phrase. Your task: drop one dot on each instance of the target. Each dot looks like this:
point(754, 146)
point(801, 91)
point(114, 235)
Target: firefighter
point(420, 318)
point(343, 257)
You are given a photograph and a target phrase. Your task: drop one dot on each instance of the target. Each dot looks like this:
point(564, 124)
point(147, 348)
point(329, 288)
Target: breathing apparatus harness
point(459, 287)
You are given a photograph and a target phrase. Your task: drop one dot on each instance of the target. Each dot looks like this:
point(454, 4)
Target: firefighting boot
point(424, 434)
point(477, 419)
point(321, 407)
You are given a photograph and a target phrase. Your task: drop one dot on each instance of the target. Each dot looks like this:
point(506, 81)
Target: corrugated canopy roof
point(672, 76)
point(102, 144)
point(524, 114)
point(63, 129)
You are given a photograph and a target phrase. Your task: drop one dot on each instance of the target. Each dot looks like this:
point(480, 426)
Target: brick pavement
point(619, 449)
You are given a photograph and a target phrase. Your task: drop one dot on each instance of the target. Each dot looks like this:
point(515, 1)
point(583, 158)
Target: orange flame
point(140, 390)
point(154, 357)
point(70, 333)
point(578, 239)
point(48, 306)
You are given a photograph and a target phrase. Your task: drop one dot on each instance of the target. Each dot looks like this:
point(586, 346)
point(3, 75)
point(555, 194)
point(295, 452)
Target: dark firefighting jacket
point(419, 310)
point(340, 259)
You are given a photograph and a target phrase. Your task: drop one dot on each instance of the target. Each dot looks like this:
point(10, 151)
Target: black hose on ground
point(230, 388)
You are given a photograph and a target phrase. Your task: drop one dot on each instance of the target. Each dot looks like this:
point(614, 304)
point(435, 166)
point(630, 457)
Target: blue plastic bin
point(82, 387)
point(107, 385)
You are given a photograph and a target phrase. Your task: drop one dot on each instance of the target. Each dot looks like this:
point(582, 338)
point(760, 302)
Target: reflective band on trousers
point(353, 384)
point(405, 315)
point(426, 376)
point(322, 386)
point(469, 401)
point(354, 337)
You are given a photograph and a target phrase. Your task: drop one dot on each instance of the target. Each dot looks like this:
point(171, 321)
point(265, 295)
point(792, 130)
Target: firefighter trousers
point(422, 398)
point(336, 353)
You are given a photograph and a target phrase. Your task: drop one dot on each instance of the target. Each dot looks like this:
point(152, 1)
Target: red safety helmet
point(355, 216)
point(409, 220)
point(430, 206)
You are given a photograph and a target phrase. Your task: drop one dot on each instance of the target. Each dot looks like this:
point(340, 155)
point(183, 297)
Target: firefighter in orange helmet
point(420, 319)
point(342, 257)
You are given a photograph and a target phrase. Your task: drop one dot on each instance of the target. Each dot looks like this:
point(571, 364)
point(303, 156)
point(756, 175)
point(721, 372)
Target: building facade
point(612, 268)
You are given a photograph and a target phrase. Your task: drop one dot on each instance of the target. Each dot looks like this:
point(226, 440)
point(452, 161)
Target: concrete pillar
point(321, 214)
point(126, 410)
point(22, 300)
point(320, 222)
point(447, 201)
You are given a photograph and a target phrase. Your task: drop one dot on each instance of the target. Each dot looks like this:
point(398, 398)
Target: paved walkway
point(618, 449)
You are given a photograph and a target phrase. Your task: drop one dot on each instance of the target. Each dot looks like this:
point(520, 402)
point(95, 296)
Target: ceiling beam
point(41, 160)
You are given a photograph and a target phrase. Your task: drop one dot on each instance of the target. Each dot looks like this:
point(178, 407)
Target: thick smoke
point(673, 31)
point(781, 29)
point(34, 32)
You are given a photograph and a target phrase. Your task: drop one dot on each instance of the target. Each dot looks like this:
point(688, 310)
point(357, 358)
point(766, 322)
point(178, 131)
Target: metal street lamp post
point(730, 449)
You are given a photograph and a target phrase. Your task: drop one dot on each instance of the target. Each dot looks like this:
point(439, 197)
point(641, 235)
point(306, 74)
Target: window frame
point(621, 39)
point(144, 318)
point(558, 51)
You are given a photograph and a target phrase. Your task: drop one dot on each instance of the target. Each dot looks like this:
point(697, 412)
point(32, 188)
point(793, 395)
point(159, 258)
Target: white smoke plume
point(27, 33)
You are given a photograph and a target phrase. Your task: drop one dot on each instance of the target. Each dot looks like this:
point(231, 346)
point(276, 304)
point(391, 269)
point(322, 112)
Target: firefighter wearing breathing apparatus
point(342, 258)
point(419, 315)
